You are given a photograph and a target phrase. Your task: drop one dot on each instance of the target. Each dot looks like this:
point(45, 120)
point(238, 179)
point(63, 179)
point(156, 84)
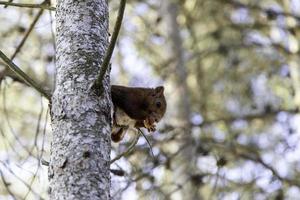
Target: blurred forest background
point(232, 82)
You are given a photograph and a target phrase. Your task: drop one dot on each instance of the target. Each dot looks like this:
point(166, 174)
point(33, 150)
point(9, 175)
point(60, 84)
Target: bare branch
point(7, 186)
point(259, 160)
point(27, 5)
point(111, 46)
point(130, 148)
point(251, 153)
point(248, 117)
point(148, 142)
point(259, 8)
point(27, 34)
point(12, 66)
point(6, 71)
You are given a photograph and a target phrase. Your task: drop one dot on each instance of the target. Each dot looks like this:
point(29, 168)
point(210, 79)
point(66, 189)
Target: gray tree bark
point(81, 121)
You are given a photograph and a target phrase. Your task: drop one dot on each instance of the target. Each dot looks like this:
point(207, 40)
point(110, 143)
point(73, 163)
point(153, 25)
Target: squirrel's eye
point(158, 104)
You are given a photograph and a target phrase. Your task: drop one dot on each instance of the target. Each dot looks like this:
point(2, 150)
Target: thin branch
point(37, 131)
point(214, 189)
point(259, 8)
point(111, 46)
point(7, 185)
point(248, 117)
point(148, 142)
point(24, 76)
point(230, 119)
point(17, 176)
point(40, 157)
point(6, 71)
point(130, 148)
point(117, 172)
point(259, 160)
point(9, 2)
point(27, 5)
point(10, 126)
point(248, 152)
point(27, 34)
point(45, 162)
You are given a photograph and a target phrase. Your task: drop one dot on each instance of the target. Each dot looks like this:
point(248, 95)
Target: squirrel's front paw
point(149, 125)
point(152, 128)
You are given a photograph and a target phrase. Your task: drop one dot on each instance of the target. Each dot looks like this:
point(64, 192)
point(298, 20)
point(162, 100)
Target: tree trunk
point(81, 121)
point(186, 159)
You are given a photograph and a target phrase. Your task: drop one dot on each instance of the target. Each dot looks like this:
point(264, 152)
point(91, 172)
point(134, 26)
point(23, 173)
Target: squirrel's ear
point(159, 90)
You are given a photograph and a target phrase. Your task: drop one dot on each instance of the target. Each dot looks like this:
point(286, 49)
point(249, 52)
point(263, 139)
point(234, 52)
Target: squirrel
point(136, 107)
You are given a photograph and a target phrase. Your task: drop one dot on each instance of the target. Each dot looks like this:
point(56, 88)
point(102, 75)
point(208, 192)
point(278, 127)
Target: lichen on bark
point(81, 121)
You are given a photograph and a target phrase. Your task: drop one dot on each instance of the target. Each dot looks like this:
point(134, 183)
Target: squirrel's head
point(158, 104)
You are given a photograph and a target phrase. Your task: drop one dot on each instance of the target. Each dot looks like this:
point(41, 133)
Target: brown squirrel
point(136, 107)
